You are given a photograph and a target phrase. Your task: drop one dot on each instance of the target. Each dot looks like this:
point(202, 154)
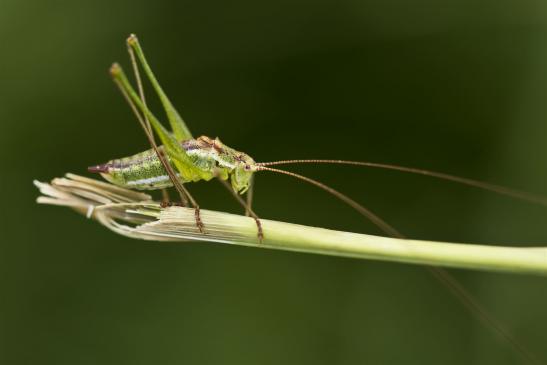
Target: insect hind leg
point(178, 126)
point(145, 123)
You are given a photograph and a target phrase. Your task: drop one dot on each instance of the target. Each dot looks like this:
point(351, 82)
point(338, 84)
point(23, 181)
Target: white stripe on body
point(150, 180)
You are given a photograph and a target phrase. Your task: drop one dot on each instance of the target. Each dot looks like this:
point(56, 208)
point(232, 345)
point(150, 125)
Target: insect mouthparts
point(98, 168)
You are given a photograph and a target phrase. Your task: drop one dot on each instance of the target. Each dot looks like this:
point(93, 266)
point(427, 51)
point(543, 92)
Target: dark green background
point(451, 85)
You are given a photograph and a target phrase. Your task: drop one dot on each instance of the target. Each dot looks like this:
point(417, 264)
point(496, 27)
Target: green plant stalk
point(134, 215)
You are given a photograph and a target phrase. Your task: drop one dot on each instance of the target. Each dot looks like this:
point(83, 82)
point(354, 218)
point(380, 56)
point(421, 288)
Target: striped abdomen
point(143, 171)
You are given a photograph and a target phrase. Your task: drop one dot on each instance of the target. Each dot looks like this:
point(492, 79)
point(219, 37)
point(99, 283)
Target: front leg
point(248, 210)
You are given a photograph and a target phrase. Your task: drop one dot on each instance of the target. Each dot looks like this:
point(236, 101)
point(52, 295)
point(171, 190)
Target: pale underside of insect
point(183, 159)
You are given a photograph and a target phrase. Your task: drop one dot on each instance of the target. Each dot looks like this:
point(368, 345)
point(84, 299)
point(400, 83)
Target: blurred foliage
point(455, 86)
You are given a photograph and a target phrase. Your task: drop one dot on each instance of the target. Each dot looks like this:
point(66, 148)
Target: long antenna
point(439, 175)
point(465, 297)
point(384, 226)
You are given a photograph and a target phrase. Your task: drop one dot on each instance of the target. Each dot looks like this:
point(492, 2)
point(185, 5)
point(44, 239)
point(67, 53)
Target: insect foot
point(115, 70)
point(199, 222)
point(132, 40)
point(197, 214)
point(260, 233)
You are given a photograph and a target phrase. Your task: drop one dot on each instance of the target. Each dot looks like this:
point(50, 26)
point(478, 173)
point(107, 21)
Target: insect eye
point(247, 167)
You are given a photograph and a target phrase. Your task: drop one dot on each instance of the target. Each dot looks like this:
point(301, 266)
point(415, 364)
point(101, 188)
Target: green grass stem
point(135, 215)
